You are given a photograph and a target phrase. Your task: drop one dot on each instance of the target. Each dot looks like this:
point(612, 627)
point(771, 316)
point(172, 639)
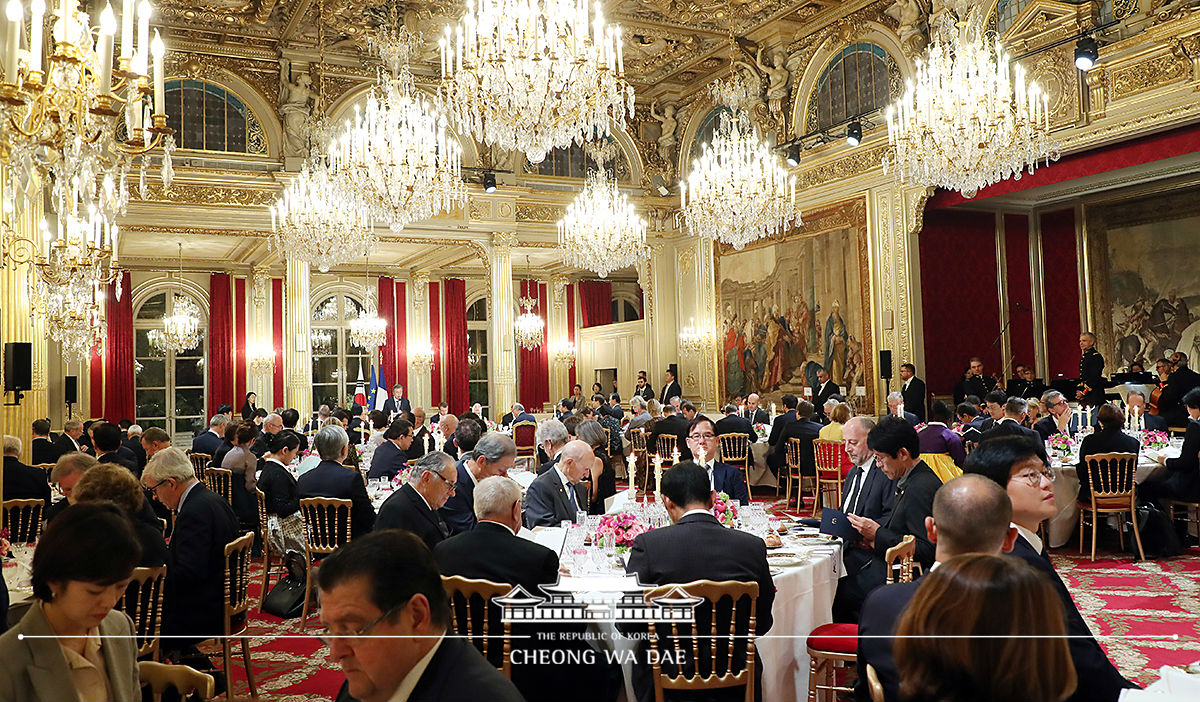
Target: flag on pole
point(382, 394)
point(372, 390)
point(360, 392)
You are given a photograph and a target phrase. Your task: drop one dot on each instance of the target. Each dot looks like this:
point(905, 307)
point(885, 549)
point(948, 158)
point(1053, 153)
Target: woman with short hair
point(243, 464)
point(114, 483)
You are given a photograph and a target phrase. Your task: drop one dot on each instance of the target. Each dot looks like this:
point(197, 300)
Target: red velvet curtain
point(118, 356)
point(1017, 288)
point(458, 389)
point(400, 317)
point(534, 389)
point(570, 334)
point(1062, 293)
point(96, 384)
point(435, 340)
point(387, 310)
point(277, 338)
point(220, 343)
point(239, 329)
point(595, 299)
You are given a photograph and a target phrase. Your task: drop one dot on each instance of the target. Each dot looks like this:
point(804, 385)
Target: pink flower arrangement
point(401, 478)
point(725, 509)
point(760, 429)
point(1155, 439)
point(920, 426)
point(622, 528)
point(1059, 442)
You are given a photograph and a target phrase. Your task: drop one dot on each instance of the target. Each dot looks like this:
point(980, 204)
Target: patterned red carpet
point(1150, 610)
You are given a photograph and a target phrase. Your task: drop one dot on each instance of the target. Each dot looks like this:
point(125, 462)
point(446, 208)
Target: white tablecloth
point(1066, 491)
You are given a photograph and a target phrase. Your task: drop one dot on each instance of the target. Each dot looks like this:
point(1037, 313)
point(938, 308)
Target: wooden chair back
point(48, 467)
point(142, 601)
point(830, 456)
point(665, 448)
point(200, 462)
point(903, 552)
point(237, 583)
point(186, 680)
point(220, 481)
point(525, 437)
point(23, 519)
point(1111, 478)
point(735, 449)
point(326, 524)
point(794, 455)
point(637, 440)
point(473, 615)
point(718, 647)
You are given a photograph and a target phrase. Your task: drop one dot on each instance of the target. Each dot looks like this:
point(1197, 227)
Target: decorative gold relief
point(506, 210)
point(481, 209)
point(539, 213)
point(262, 75)
point(210, 195)
point(1164, 69)
point(860, 161)
point(687, 261)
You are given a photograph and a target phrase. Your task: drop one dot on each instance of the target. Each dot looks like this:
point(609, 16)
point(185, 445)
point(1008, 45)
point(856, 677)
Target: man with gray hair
point(1010, 424)
point(551, 437)
point(415, 506)
point(494, 454)
point(516, 414)
point(869, 493)
point(895, 401)
point(68, 440)
point(1059, 418)
point(67, 471)
point(330, 478)
point(194, 590)
point(210, 440)
point(637, 408)
point(22, 482)
point(272, 424)
point(556, 495)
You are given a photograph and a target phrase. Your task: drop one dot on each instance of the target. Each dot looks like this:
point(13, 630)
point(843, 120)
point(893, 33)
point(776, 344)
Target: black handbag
point(286, 598)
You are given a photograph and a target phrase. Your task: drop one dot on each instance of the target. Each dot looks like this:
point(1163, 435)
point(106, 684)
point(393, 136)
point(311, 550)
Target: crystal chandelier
point(564, 356)
point(181, 328)
point(420, 357)
point(967, 121)
point(368, 329)
point(530, 329)
point(75, 318)
point(602, 230)
point(322, 341)
point(533, 75)
point(693, 341)
point(398, 156)
point(318, 221)
point(261, 359)
point(737, 191)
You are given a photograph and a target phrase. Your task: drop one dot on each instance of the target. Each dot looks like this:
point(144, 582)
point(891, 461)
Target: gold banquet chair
point(326, 527)
point(666, 445)
point(830, 456)
point(637, 444)
point(142, 601)
point(220, 481)
point(200, 463)
point(735, 450)
point(1112, 487)
point(473, 616)
point(23, 520)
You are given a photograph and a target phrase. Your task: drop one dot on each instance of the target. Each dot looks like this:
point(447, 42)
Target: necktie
point(711, 482)
point(571, 494)
point(852, 494)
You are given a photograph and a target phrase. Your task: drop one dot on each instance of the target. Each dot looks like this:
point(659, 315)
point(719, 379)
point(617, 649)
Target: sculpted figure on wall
point(667, 141)
point(913, 16)
point(778, 77)
point(296, 98)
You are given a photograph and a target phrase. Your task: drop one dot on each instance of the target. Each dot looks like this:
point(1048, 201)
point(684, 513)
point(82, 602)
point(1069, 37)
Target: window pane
point(147, 423)
point(353, 308)
point(235, 126)
point(214, 118)
point(188, 373)
point(478, 311)
point(631, 312)
point(151, 403)
point(153, 373)
point(324, 395)
point(192, 114)
point(189, 425)
point(326, 309)
point(324, 368)
point(189, 402)
point(153, 308)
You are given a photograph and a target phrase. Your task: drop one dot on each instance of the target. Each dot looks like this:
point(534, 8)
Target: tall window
point(856, 81)
point(625, 311)
point(477, 352)
point(169, 386)
point(207, 117)
point(705, 133)
point(336, 361)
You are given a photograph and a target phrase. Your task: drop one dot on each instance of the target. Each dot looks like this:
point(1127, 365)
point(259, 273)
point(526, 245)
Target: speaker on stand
point(70, 391)
point(885, 368)
point(18, 369)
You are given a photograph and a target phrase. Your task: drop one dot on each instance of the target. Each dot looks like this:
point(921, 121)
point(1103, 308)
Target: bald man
point(557, 494)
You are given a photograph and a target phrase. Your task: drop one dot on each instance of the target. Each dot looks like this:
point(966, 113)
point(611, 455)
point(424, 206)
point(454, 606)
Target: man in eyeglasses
point(702, 440)
point(386, 613)
point(415, 506)
point(1020, 466)
point(1059, 418)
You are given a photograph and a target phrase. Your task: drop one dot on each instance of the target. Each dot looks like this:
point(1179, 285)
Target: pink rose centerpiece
point(725, 509)
point(1060, 443)
point(621, 529)
point(1155, 439)
point(760, 430)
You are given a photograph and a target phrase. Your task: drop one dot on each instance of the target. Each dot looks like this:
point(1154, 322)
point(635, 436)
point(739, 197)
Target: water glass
point(579, 559)
point(566, 524)
point(581, 517)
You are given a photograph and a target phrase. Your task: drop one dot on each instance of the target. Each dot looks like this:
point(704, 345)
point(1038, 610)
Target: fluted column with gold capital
point(418, 385)
point(297, 347)
point(501, 345)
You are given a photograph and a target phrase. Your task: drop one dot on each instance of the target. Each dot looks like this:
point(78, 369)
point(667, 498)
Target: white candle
point(126, 29)
point(108, 27)
point(14, 12)
point(37, 9)
point(658, 477)
point(143, 36)
point(675, 456)
point(701, 456)
point(632, 460)
point(157, 49)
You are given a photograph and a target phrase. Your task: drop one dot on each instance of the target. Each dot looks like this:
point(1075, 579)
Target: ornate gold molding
point(539, 212)
point(208, 195)
point(1162, 69)
point(859, 162)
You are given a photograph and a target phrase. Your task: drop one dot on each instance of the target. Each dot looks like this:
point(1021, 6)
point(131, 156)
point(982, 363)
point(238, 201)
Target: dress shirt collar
point(493, 521)
point(409, 683)
point(906, 383)
point(427, 505)
point(276, 461)
point(1031, 537)
point(693, 511)
point(934, 566)
point(1006, 419)
point(562, 477)
point(184, 496)
point(936, 424)
point(904, 478)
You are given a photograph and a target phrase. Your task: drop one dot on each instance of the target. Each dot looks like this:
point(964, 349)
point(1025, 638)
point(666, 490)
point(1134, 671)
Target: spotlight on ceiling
point(793, 155)
point(489, 182)
point(1086, 53)
point(854, 133)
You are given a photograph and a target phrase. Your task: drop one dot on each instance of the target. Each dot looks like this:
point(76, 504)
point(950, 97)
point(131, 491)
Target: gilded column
point(706, 320)
point(259, 332)
point(418, 337)
point(556, 335)
point(297, 347)
point(501, 345)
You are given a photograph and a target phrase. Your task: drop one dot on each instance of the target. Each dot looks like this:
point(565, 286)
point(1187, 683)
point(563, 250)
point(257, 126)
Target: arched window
point(858, 80)
point(704, 135)
point(573, 162)
point(1007, 11)
point(208, 117)
point(477, 352)
point(625, 311)
point(169, 385)
point(336, 360)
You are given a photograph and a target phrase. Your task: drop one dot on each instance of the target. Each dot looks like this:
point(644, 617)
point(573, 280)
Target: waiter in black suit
point(868, 492)
point(330, 478)
point(898, 454)
point(397, 403)
point(822, 390)
point(670, 389)
point(753, 411)
point(1091, 372)
point(415, 506)
point(556, 495)
point(974, 382)
point(1021, 467)
point(913, 391)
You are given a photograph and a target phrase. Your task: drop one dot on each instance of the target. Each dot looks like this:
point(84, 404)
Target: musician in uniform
point(1091, 372)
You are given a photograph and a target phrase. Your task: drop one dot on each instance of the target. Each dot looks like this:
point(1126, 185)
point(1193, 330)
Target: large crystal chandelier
point(368, 329)
point(318, 221)
point(533, 75)
point(967, 120)
point(398, 156)
point(529, 328)
point(602, 230)
point(75, 318)
point(181, 328)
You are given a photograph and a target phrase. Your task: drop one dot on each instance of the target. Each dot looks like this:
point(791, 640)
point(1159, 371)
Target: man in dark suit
point(898, 454)
point(975, 382)
point(894, 400)
point(1136, 402)
point(970, 515)
point(1059, 418)
point(670, 389)
point(388, 583)
point(516, 414)
point(1181, 481)
point(133, 443)
point(1010, 424)
point(1020, 466)
point(674, 424)
point(1109, 437)
point(272, 424)
point(291, 420)
point(734, 423)
point(643, 389)
point(805, 429)
point(41, 448)
point(330, 478)
point(1181, 380)
point(753, 412)
point(697, 547)
point(556, 495)
point(208, 441)
point(106, 437)
point(551, 438)
point(69, 440)
point(22, 482)
point(702, 440)
point(392, 453)
point(776, 446)
point(493, 455)
point(443, 410)
point(1091, 372)
point(913, 391)
point(823, 389)
point(194, 591)
point(397, 403)
point(415, 505)
point(868, 492)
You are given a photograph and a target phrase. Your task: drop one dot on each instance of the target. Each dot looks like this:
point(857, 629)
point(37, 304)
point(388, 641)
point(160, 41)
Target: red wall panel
point(1020, 295)
point(1060, 260)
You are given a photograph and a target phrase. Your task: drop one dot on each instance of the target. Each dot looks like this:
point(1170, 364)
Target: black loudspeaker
point(71, 389)
point(18, 366)
point(885, 364)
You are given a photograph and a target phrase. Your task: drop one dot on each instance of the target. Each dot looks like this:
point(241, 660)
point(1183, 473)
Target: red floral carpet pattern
point(1151, 610)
